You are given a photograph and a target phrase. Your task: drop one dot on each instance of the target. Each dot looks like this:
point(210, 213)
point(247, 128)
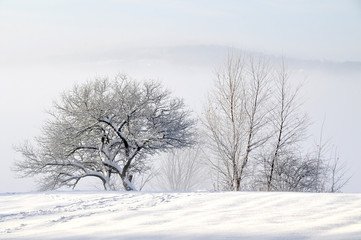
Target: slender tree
point(235, 115)
point(331, 173)
point(254, 128)
point(288, 123)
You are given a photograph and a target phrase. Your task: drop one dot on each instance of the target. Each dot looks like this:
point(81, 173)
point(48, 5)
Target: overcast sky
point(328, 29)
point(47, 46)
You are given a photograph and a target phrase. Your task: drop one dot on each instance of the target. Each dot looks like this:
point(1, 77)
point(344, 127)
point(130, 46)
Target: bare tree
point(286, 167)
point(181, 170)
point(235, 116)
point(289, 126)
point(257, 95)
point(106, 129)
point(293, 172)
point(331, 173)
point(246, 119)
point(338, 174)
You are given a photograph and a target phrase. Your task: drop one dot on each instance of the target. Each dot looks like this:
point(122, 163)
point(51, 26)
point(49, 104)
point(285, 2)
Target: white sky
point(47, 46)
point(310, 29)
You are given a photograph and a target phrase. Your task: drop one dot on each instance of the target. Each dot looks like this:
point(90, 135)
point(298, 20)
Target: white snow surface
point(184, 215)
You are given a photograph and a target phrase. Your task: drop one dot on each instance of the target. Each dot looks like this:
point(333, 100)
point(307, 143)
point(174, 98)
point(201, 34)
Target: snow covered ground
point(189, 215)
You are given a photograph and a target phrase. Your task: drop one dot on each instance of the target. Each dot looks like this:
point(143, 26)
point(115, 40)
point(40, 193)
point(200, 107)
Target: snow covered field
point(193, 215)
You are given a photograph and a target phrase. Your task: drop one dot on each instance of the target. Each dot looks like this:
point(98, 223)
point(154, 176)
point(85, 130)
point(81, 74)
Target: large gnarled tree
point(106, 129)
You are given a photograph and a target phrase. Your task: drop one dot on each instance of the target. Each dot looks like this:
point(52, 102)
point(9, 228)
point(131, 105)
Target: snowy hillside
point(198, 215)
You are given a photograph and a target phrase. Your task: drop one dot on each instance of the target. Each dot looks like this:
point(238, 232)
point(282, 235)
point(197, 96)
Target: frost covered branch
point(106, 129)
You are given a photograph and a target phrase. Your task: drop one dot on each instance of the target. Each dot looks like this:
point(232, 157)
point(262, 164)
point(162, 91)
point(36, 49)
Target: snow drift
point(188, 215)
